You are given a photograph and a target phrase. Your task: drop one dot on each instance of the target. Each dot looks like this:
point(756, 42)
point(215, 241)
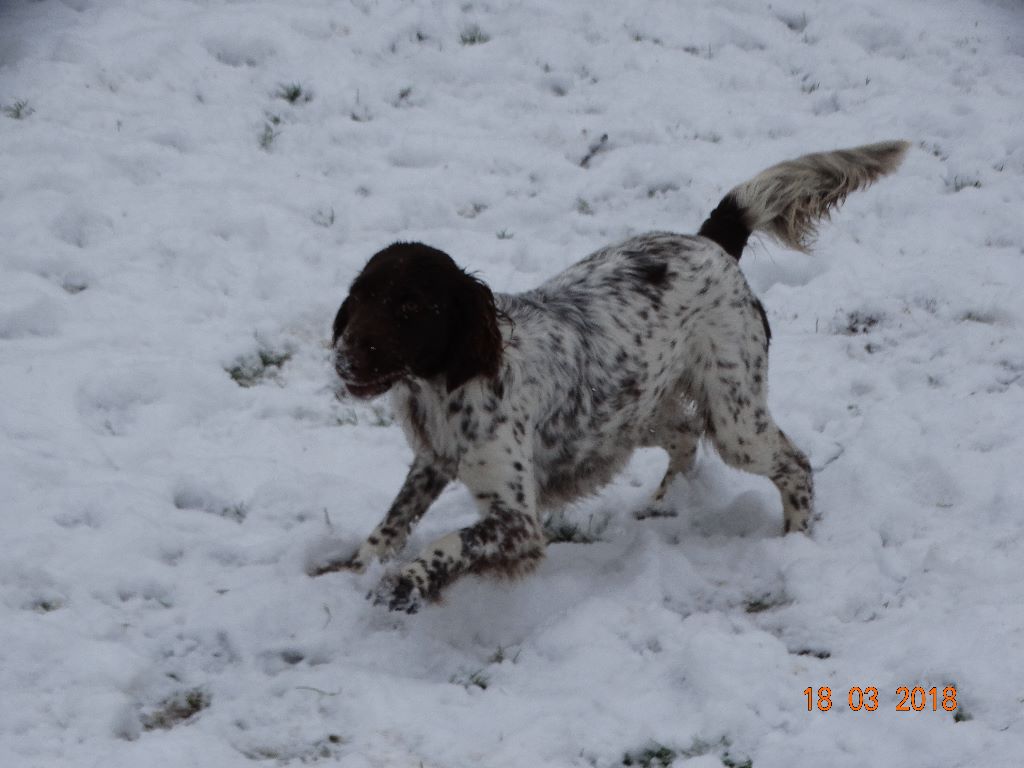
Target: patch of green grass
point(323, 217)
point(815, 652)
point(236, 512)
point(765, 603)
point(658, 190)
point(325, 749)
point(19, 110)
point(294, 93)
point(382, 416)
point(642, 37)
point(958, 183)
point(654, 756)
point(858, 322)
point(255, 369)
point(593, 149)
point(74, 285)
point(978, 316)
point(795, 23)
point(712, 137)
point(271, 358)
point(583, 207)
point(653, 512)
point(269, 134)
point(504, 234)
point(559, 530)
point(346, 418)
point(379, 415)
point(360, 112)
point(403, 96)
point(729, 762)
point(467, 680)
point(472, 210)
point(176, 709)
point(501, 655)
point(657, 755)
point(46, 605)
point(473, 35)
point(191, 499)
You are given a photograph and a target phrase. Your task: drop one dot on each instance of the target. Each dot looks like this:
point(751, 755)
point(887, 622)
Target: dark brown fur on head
point(412, 312)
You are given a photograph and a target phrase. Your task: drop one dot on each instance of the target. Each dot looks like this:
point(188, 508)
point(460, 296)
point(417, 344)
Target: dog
point(535, 399)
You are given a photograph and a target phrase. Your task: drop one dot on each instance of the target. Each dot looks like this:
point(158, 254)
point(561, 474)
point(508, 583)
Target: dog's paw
point(801, 524)
point(397, 593)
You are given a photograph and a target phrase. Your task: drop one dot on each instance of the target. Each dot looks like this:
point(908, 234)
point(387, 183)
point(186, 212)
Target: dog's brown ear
point(476, 341)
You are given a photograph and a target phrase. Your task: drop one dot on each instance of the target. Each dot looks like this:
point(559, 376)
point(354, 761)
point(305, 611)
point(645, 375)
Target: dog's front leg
point(423, 484)
point(508, 540)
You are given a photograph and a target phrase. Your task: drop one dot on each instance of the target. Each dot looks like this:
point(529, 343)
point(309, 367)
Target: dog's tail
point(788, 200)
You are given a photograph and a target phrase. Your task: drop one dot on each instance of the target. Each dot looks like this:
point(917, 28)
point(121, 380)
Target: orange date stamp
point(915, 699)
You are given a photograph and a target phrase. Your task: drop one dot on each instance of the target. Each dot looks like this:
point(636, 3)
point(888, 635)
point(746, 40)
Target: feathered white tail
point(788, 200)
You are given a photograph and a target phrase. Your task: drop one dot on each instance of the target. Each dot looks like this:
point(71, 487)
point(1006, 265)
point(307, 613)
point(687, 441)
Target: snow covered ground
point(178, 225)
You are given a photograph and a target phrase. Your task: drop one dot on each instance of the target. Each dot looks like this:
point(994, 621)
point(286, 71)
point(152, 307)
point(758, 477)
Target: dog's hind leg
point(730, 384)
point(753, 442)
point(678, 433)
point(739, 425)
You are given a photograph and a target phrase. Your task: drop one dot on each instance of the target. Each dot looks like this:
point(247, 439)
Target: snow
point(173, 454)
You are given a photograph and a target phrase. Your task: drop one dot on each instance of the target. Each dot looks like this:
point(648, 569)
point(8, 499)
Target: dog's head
point(412, 312)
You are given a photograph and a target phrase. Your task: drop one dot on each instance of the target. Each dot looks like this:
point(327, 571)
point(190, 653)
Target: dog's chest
point(422, 417)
